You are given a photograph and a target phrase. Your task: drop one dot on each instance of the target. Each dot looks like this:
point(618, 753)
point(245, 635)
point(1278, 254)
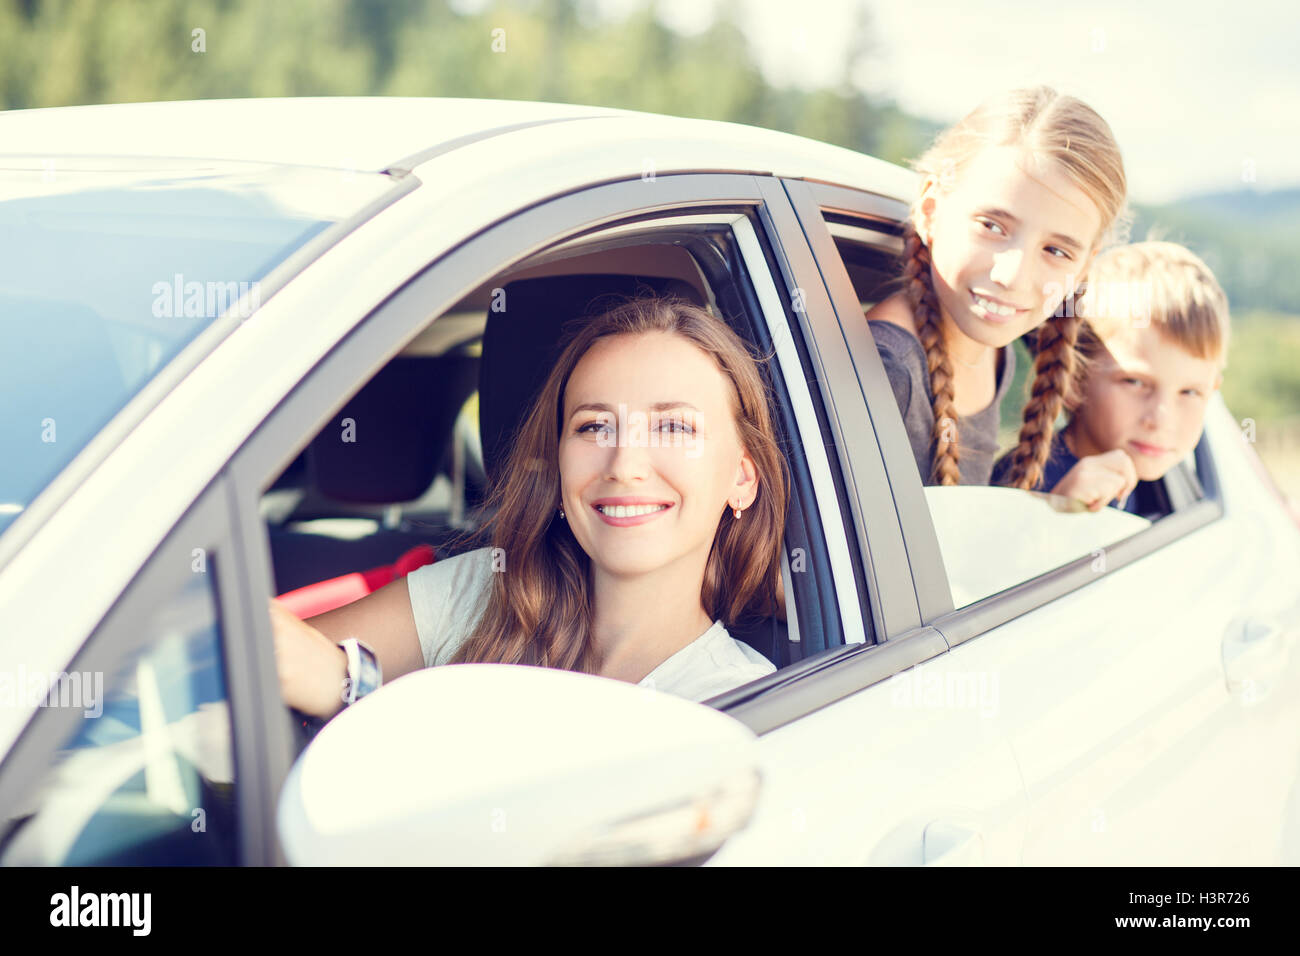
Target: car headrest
point(402, 421)
point(522, 342)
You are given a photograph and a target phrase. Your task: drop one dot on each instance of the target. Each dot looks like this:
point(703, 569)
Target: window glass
point(109, 268)
point(148, 776)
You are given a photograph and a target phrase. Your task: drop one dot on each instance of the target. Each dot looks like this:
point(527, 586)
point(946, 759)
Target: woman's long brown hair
point(1070, 134)
point(540, 606)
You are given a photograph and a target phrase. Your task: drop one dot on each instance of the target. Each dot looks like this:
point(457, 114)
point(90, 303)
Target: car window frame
point(793, 691)
point(737, 272)
point(929, 573)
point(206, 524)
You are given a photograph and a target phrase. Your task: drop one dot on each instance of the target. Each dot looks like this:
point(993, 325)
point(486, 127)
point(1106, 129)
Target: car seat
point(403, 420)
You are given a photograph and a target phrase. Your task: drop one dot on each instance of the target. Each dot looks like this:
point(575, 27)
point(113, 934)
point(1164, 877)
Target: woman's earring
point(736, 509)
point(562, 513)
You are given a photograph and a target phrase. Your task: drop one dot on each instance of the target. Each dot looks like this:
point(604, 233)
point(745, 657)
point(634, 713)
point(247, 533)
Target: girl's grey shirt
point(904, 359)
point(449, 597)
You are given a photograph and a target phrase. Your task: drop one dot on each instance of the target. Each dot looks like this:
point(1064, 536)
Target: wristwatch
point(364, 673)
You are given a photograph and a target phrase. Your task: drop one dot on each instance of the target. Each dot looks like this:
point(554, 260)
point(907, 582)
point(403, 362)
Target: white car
point(196, 301)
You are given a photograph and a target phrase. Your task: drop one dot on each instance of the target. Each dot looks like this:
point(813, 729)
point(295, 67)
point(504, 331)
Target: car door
point(1131, 657)
point(886, 752)
point(1151, 720)
point(149, 749)
point(933, 784)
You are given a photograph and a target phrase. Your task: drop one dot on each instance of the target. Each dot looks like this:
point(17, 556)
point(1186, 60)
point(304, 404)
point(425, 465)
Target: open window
point(398, 474)
point(992, 539)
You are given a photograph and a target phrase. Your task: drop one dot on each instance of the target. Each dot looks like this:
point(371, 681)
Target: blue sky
point(1201, 94)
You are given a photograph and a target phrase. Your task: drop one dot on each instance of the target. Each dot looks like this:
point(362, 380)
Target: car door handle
point(945, 843)
point(1254, 653)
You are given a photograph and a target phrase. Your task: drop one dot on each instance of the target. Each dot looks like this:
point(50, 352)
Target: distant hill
point(1250, 239)
point(1249, 206)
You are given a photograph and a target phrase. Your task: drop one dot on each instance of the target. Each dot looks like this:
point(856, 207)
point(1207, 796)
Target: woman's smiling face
point(1008, 241)
point(649, 452)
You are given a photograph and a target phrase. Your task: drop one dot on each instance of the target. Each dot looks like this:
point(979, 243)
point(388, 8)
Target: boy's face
point(1147, 395)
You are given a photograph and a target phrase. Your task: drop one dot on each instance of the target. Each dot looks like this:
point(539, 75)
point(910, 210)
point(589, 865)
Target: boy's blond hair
point(1161, 284)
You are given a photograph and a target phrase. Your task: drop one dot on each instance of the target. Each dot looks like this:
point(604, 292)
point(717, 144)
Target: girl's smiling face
point(1009, 240)
point(648, 427)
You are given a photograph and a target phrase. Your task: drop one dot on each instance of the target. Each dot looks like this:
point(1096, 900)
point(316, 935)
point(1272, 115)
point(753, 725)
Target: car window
point(398, 475)
point(108, 270)
point(992, 538)
point(148, 777)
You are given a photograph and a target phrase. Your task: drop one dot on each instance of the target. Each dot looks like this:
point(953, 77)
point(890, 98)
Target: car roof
point(397, 133)
point(347, 132)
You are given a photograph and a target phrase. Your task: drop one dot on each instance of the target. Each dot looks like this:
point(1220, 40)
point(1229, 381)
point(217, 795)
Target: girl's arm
point(312, 666)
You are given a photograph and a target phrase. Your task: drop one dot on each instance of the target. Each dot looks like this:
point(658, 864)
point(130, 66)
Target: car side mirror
point(503, 764)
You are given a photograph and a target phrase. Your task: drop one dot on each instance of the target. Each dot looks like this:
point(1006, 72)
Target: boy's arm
point(1097, 479)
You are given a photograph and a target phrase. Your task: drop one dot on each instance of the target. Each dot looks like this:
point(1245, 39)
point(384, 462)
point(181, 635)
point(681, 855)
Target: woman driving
point(642, 506)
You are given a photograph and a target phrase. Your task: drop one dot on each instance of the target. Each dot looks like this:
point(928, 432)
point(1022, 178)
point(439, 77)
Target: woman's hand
point(1096, 479)
point(312, 668)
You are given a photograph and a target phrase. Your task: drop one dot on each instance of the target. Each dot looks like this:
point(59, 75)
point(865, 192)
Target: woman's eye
point(680, 426)
point(1132, 381)
point(1194, 392)
point(591, 427)
point(990, 225)
point(1058, 252)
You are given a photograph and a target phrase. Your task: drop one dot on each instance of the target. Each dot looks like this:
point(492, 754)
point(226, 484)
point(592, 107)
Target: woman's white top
point(448, 599)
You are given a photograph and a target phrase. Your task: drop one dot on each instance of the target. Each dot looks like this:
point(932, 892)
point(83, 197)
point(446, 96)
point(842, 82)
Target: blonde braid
point(1054, 370)
point(945, 451)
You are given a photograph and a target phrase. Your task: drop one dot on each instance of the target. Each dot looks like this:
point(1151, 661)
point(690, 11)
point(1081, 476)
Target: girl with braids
point(643, 505)
point(1015, 201)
